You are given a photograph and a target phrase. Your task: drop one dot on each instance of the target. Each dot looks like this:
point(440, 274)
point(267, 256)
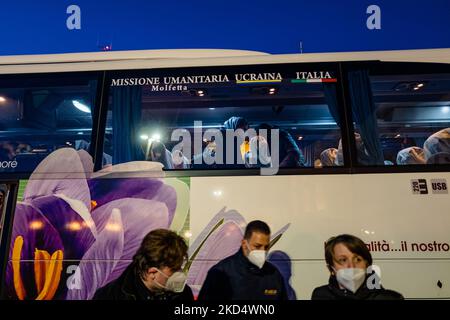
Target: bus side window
point(401, 117)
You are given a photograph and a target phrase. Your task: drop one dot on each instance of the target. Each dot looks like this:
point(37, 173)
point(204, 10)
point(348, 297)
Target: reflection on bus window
point(36, 119)
point(223, 125)
point(401, 119)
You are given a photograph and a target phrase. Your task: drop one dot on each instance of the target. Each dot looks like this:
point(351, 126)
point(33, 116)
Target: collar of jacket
point(127, 281)
point(134, 288)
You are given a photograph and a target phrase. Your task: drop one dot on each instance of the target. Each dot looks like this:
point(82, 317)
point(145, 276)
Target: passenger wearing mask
point(347, 258)
point(159, 153)
point(328, 157)
point(154, 273)
point(437, 147)
point(411, 155)
point(246, 275)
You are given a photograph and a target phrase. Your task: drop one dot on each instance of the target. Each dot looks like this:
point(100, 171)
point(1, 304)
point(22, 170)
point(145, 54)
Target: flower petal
point(211, 245)
point(74, 231)
point(60, 172)
point(139, 217)
point(86, 162)
point(99, 261)
point(109, 189)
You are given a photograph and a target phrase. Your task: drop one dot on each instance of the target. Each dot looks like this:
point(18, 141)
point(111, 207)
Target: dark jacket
point(331, 291)
point(236, 278)
point(129, 286)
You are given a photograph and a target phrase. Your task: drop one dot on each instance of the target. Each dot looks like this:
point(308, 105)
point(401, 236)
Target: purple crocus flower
point(221, 238)
point(93, 221)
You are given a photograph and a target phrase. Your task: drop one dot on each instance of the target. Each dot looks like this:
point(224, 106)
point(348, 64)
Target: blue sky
point(34, 27)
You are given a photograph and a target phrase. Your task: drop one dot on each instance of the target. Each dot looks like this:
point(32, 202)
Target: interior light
point(81, 106)
point(156, 137)
point(300, 138)
point(445, 109)
point(420, 85)
point(144, 137)
point(2, 99)
point(212, 108)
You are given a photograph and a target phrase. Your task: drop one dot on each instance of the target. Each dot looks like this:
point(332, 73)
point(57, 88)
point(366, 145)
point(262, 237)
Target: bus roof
point(147, 59)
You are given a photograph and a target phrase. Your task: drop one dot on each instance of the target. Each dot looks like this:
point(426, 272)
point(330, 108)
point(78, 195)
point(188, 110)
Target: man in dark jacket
point(154, 273)
point(246, 275)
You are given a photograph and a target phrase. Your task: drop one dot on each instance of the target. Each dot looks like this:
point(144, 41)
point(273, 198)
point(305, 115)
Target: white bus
point(97, 149)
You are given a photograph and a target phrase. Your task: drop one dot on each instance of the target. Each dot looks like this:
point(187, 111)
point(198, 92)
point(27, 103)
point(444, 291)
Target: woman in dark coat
point(350, 263)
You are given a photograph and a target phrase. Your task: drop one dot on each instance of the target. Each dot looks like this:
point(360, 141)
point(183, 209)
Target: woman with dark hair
point(348, 259)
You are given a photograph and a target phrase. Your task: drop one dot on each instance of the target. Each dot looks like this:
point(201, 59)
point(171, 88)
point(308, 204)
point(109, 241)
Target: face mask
point(351, 278)
point(174, 283)
point(257, 257)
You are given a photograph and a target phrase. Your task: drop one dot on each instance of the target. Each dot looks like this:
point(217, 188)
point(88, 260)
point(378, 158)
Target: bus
point(98, 149)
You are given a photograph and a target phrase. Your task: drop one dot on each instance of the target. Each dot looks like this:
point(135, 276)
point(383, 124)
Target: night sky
point(34, 27)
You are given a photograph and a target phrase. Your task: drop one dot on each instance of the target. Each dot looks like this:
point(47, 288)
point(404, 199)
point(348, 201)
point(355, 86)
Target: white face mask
point(351, 278)
point(257, 257)
point(175, 283)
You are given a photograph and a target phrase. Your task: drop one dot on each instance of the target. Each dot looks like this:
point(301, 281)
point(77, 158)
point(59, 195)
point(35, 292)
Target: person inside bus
point(258, 155)
point(362, 154)
point(348, 259)
point(159, 153)
point(328, 157)
point(290, 154)
point(236, 123)
point(411, 155)
point(246, 275)
point(7, 151)
point(317, 163)
point(84, 145)
point(154, 273)
point(179, 160)
point(437, 147)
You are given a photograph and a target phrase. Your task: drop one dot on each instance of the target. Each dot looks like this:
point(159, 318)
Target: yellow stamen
point(52, 276)
point(93, 204)
point(17, 279)
point(41, 264)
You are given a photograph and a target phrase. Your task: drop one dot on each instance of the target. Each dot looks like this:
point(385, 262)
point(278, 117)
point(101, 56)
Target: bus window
point(401, 119)
point(41, 114)
point(239, 118)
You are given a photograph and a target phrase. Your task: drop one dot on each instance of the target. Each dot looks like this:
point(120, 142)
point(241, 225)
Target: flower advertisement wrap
point(74, 230)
